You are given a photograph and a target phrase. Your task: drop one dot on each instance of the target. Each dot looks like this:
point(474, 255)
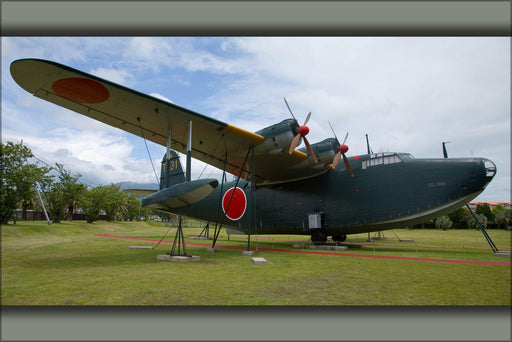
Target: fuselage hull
point(378, 197)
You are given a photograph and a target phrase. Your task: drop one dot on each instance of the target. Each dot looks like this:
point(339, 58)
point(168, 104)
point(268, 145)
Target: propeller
point(303, 131)
point(342, 149)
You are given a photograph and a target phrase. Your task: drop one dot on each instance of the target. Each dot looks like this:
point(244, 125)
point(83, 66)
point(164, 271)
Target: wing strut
point(223, 180)
point(189, 151)
point(217, 231)
point(147, 149)
point(252, 215)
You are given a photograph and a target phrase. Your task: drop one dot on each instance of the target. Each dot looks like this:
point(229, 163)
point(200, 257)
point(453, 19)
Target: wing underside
point(213, 142)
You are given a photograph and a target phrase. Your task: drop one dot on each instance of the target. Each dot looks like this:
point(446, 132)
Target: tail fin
point(171, 172)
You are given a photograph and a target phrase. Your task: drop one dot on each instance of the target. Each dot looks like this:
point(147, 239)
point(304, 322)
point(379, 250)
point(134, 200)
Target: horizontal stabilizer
point(180, 195)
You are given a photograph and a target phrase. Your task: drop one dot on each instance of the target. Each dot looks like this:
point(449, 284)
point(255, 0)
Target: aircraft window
point(405, 156)
point(392, 159)
point(384, 159)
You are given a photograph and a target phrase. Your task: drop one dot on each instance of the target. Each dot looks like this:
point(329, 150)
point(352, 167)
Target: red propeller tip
point(343, 148)
point(304, 130)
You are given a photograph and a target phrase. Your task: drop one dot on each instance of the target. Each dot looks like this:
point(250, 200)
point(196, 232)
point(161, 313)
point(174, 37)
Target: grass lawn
point(66, 264)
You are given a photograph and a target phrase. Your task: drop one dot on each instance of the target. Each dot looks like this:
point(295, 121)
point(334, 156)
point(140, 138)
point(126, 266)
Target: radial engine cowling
point(325, 151)
point(278, 137)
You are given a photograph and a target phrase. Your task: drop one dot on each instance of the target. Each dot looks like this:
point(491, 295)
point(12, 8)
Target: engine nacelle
point(278, 137)
point(325, 151)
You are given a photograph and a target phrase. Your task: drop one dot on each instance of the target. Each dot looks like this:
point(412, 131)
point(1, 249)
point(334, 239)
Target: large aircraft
point(278, 189)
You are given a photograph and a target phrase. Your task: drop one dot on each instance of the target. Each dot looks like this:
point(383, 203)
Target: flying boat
point(277, 188)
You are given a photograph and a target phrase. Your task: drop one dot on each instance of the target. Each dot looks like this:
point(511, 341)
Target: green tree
point(53, 194)
point(61, 193)
point(443, 222)
point(457, 217)
point(71, 189)
point(18, 178)
point(500, 218)
point(92, 202)
point(484, 209)
point(473, 224)
point(501, 215)
point(113, 201)
point(132, 208)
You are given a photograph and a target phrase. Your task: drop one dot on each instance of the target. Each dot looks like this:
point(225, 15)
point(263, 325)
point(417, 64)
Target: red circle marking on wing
point(81, 90)
point(237, 206)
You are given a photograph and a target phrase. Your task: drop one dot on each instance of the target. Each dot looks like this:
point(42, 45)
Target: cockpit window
point(405, 156)
point(385, 158)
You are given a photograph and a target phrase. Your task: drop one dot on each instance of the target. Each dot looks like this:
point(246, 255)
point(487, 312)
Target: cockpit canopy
point(386, 158)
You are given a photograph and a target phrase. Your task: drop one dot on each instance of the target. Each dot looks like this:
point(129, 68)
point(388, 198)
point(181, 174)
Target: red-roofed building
point(505, 205)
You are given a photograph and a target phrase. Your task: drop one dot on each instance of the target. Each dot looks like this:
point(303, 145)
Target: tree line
point(462, 218)
point(61, 191)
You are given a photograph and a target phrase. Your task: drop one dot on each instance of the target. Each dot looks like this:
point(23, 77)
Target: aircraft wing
point(213, 141)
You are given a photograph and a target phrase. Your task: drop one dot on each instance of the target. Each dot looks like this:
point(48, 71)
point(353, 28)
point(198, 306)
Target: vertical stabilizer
point(171, 172)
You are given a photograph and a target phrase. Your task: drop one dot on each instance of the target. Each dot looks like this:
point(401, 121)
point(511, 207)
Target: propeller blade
point(346, 136)
point(294, 143)
point(289, 108)
point(342, 148)
point(347, 165)
point(333, 131)
point(307, 119)
point(310, 150)
point(336, 159)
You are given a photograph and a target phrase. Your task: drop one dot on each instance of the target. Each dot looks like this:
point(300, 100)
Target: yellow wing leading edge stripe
point(258, 139)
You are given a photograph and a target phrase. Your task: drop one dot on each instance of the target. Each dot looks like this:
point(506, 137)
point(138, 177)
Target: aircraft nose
point(490, 168)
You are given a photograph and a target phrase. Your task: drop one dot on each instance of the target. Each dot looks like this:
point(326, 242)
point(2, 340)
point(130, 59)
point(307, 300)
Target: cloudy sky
point(407, 94)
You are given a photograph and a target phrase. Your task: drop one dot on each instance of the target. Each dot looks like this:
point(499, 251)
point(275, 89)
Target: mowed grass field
point(66, 264)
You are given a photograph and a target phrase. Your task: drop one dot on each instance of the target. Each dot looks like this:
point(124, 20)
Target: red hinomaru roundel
point(237, 206)
point(81, 90)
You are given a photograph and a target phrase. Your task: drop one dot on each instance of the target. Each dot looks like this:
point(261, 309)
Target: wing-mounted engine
point(273, 156)
point(328, 153)
point(325, 151)
point(278, 137)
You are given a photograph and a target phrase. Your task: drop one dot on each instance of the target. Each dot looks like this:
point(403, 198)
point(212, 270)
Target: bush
point(443, 222)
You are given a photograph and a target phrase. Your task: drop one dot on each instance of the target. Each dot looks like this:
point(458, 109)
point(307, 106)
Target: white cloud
point(100, 157)
point(408, 94)
point(118, 76)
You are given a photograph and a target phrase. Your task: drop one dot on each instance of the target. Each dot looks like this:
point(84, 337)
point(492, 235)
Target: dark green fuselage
point(387, 191)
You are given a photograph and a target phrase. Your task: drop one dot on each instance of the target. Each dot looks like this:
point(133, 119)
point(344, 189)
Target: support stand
point(42, 204)
point(179, 241)
point(205, 231)
point(179, 248)
point(36, 186)
point(379, 236)
point(400, 240)
point(482, 229)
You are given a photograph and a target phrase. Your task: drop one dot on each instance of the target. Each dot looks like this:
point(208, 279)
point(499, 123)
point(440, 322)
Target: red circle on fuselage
point(81, 90)
point(237, 205)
